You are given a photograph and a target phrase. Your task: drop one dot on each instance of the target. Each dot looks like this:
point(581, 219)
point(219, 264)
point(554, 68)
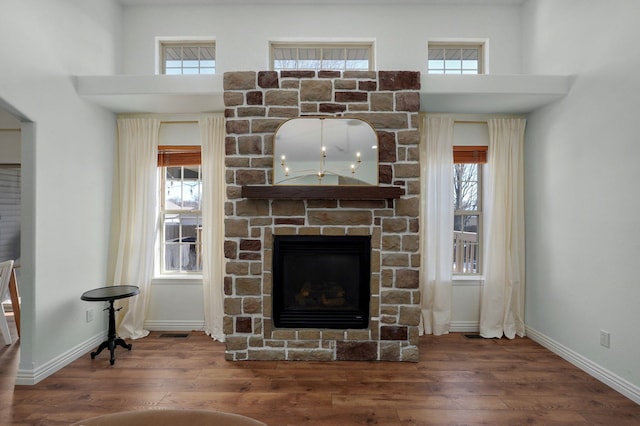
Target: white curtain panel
point(212, 132)
point(436, 223)
point(502, 306)
point(136, 222)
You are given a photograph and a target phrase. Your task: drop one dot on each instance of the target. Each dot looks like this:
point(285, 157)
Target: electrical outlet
point(89, 314)
point(605, 339)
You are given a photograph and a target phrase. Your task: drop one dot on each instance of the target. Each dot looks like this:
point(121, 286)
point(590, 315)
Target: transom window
point(180, 209)
point(338, 57)
point(467, 206)
point(188, 58)
point(446, 58)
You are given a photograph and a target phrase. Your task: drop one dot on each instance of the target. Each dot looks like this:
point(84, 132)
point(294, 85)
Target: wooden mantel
point(320, 192)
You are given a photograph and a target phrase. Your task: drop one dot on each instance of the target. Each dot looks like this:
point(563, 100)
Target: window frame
point(463, 154)
point(162, 42)
point(369, 45)
point(483, 53)
point(176, 156)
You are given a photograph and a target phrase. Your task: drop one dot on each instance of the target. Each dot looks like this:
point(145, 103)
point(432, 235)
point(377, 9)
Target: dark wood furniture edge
point(318, 192)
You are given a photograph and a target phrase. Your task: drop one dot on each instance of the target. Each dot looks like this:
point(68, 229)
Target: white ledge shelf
point(491, 94)
point(468, 94)
point(153, 93)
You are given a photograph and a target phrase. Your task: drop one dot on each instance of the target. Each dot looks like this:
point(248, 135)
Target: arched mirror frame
point(323, 150)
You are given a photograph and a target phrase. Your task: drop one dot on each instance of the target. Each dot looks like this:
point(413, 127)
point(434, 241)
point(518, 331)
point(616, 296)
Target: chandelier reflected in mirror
point(326, 151)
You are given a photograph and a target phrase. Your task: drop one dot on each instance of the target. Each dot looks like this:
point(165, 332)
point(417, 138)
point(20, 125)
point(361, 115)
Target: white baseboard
point(610, 379)
point(464, 327)
point(31, 377)
point(165, 325)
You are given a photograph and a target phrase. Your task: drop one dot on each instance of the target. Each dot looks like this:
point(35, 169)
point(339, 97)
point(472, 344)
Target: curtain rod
point(470, 121)
point(470, 118)
point(178, 122)
point(185, 118)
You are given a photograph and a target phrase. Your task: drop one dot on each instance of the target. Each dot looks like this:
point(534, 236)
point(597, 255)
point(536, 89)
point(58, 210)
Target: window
point(180, 209)
point(179, 57)
point(467, 206)
point(337, 57)
point(459, 58)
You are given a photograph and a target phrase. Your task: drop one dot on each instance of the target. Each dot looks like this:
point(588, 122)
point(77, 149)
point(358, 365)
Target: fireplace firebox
point(321, 281)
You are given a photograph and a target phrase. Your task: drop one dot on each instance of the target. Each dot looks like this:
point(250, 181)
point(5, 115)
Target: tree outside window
point(467, 221)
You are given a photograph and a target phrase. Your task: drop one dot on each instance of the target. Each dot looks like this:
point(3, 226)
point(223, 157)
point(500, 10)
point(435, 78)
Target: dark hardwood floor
point(457, 381)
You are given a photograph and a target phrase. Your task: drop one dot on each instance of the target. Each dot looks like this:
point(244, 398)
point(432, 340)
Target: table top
point(110, 293)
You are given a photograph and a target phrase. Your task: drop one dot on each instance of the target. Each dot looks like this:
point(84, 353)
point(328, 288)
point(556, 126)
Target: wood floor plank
point(457, 381)
point(416, 402)
point(491, 417)
point(570, 402)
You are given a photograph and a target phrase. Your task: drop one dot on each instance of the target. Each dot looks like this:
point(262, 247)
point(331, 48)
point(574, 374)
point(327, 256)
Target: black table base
point(112, 339)
point(110, 294)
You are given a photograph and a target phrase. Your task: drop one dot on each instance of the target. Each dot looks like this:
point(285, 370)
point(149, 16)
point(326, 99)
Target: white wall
point(67, 165)
point(400, 31)
point(581, 153)
point(581, 174)
point(242, 36)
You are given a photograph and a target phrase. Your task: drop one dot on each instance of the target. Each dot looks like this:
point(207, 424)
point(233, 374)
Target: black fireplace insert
point(321, 281)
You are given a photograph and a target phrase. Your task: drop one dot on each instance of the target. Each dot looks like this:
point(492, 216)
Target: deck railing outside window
point(465, 252)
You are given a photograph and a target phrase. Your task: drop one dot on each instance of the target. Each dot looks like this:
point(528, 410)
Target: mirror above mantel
point(325, 151)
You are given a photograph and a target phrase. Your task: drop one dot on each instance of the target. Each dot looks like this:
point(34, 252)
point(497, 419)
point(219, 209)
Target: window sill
point(177, 279)
point(468, 280)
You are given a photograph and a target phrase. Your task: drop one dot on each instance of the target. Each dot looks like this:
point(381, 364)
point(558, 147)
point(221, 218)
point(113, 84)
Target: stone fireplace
point(260, 216)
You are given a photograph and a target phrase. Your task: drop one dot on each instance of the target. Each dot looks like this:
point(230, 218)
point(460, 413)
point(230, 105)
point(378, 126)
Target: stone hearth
point(256, 104)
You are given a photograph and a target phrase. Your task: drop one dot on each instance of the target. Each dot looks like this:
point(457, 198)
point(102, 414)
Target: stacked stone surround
point(256, 103)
